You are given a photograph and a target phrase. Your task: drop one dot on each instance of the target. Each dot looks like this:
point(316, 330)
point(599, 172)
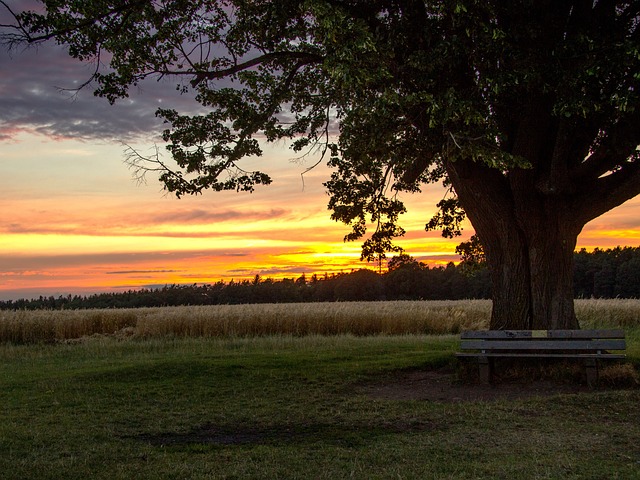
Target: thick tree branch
point(608, 192)
point(305, 57)
point(484, 188)
point(619, 144)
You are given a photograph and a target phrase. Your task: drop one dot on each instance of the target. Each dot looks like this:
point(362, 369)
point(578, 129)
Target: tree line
point(601, 274)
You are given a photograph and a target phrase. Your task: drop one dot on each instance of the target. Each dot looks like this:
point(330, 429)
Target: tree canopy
point(526, 110)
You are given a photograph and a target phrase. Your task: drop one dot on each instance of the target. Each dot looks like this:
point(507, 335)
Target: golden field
point(355, 318)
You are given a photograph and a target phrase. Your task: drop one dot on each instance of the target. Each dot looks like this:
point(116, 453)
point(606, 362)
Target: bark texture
point(529, 243)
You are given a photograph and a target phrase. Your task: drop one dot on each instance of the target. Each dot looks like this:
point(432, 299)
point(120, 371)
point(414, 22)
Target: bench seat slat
point(522, 334)
point(610, 356)
point(543, 345)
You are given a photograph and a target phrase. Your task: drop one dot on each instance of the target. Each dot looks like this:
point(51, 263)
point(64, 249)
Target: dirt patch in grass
point(445, 385)
point(350, 434)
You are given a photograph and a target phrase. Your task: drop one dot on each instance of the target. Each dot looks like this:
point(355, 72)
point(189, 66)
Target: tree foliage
point(289, 69)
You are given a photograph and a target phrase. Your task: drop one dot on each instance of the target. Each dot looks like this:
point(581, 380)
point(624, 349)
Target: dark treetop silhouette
point(526, 109)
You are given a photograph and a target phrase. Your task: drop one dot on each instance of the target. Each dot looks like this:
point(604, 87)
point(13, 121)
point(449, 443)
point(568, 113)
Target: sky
point(73, 220)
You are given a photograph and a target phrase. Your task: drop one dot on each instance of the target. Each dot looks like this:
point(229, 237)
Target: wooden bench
point(590, 345)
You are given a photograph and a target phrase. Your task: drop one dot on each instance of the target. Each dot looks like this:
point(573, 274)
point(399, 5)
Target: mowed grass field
point(178, 401)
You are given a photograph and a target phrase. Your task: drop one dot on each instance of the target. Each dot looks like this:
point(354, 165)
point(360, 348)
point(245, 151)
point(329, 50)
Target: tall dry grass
point(608, 313)
point(54, 325)
point(356, 318)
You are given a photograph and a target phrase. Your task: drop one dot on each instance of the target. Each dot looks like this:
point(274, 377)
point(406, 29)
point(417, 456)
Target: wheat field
point(355, 318)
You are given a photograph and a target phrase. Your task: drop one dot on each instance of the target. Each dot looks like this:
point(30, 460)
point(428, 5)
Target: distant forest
point(599, 274)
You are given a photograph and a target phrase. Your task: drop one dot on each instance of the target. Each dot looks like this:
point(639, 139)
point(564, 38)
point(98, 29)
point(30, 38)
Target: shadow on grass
point(290, 433)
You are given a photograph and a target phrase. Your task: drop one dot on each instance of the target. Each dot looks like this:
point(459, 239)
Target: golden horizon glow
point(74, 222)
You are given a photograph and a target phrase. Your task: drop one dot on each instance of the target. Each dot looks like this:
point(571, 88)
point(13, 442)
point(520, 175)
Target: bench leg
point(591, 367)
point(484, 365)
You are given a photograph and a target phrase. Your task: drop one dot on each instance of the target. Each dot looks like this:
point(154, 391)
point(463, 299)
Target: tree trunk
point(551, 244)
point(532, 274)
point(529, 239)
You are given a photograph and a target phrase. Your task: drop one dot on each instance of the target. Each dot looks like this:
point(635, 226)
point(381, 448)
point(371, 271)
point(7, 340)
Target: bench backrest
point(588, 340)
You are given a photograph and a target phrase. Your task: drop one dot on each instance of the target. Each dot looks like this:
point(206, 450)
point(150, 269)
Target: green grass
point(287, 407)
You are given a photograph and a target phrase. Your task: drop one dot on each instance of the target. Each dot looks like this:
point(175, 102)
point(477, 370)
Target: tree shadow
point(346, 435)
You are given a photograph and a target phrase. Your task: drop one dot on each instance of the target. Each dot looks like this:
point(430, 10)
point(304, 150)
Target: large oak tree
point(526, 109)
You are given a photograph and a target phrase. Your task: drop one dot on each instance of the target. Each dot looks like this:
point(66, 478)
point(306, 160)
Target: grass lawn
point(285, 407)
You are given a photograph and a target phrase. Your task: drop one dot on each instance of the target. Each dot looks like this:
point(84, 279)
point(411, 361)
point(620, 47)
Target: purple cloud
point(207, 216)
point(37, 95)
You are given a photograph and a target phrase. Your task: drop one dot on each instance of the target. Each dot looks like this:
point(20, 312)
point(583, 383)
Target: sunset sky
point(74, 221)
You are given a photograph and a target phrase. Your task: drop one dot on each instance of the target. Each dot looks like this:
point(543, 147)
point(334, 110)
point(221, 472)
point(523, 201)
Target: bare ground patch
point(444, 385)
